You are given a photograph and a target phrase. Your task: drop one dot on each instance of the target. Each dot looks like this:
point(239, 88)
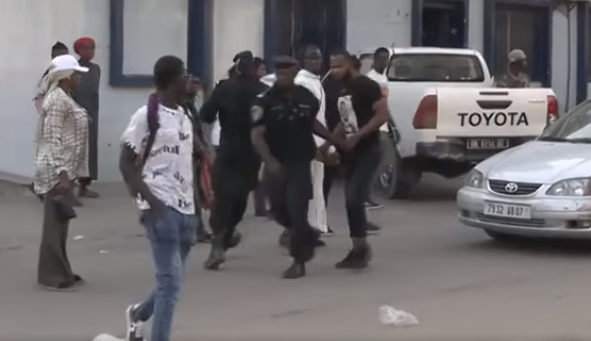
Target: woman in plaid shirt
point(61, 144)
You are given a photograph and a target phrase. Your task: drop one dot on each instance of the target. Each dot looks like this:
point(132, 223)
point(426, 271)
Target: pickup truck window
point(414, 67)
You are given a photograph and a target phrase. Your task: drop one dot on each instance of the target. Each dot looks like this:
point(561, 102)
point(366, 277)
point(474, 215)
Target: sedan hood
point(540, 162)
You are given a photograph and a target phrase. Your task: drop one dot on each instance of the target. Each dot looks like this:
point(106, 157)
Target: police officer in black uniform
point(284, 121)
point(236, 167)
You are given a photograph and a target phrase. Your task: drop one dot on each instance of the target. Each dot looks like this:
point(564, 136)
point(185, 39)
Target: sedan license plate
point(488, 143)
point(506, 210)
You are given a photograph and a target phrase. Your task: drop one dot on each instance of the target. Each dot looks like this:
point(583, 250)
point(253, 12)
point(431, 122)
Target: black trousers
point(54, 267)
point(232, 184)
point(330, 174)
point(289, 198)
point(360, 168)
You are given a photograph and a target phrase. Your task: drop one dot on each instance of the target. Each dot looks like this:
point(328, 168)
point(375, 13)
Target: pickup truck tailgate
point(473, 112)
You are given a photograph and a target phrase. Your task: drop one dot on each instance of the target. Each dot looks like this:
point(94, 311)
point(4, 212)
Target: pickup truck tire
point(392, 179)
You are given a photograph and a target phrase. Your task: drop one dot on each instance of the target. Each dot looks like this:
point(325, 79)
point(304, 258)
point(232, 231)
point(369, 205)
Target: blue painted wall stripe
point(199, 36)
point(271, 27)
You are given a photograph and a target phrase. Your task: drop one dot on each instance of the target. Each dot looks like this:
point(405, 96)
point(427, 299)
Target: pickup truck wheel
point(392, 180)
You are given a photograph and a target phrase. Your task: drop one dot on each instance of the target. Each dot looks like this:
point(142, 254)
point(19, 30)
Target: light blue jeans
point(171, 235)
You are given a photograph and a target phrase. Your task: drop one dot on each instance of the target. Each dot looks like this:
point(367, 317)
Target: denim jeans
point(171, 236)
point(360, 168)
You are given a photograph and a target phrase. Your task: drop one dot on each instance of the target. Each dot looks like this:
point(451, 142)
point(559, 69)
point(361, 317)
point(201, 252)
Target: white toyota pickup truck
point(446, 115)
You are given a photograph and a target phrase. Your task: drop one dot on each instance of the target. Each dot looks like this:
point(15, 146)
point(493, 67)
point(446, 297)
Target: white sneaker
point(134, 328)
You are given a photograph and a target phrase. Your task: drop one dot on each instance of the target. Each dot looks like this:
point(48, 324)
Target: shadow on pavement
point(536, 246)
point(434, 188)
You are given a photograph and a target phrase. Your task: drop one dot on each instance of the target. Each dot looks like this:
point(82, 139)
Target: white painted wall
point(564, 86)
point(238, 25)
point(373, 23)
point(476, 25)
point(155, 30)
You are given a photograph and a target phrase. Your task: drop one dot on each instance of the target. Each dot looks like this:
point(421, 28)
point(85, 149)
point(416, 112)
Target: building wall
point(67, 20)
point(236, 25)
point(564, 55)
point(372, 23)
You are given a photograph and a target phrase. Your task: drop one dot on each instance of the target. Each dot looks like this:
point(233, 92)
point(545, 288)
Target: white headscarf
point(61, 67)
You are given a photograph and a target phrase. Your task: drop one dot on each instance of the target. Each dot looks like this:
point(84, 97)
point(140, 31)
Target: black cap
point(243, 55)
point(59, 46)
point(285, 62)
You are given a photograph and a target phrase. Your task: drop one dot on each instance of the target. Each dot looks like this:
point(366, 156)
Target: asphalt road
point(458, 283)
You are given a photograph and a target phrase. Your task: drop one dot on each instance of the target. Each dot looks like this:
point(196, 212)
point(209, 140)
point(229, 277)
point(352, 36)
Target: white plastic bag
point(399, 318)
point(106, 337)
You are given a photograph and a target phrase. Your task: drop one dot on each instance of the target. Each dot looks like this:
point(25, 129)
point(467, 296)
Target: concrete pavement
point(457, 282)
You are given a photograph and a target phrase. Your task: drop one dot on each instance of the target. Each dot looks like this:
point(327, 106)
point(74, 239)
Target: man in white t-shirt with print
point(381, 58)
point(163, 181)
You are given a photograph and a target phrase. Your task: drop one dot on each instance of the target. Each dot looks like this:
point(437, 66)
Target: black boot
point(296, 270)
point(358, 257)
point(203, 237)
point(232, 240)
point(284, 239)
point(318, 242)
point(217, 255)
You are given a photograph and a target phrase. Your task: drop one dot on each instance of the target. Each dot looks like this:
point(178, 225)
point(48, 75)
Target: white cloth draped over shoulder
point(317, 209)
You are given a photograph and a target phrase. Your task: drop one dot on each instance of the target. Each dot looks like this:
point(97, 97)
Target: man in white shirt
point(309, 77)
point(378, 74)
point(157, 163)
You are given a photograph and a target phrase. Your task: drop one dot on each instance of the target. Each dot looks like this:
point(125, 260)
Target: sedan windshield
point(574, 126)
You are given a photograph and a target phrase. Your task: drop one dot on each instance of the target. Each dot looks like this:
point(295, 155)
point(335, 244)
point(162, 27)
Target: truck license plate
point(506, 210)
point(488, 143)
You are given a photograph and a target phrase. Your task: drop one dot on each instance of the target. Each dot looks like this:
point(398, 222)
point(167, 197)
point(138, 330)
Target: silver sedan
point(538, 189)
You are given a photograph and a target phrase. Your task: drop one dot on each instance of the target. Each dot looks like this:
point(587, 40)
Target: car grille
point(523, 188)
point(511, 221)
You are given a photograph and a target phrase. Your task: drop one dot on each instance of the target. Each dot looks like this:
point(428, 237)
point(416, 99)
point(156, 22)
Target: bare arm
point(381, 116)
point(338, 132)
point(130, 168)
point(131, 156)
point(320, 130)
point(257, 136)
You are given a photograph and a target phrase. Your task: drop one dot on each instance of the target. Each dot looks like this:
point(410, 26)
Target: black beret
point(243, 55)
point(285, 62)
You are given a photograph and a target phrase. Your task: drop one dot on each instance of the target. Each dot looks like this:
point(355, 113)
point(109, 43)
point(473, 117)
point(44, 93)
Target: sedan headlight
point(578, 187)
point(474, 179)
